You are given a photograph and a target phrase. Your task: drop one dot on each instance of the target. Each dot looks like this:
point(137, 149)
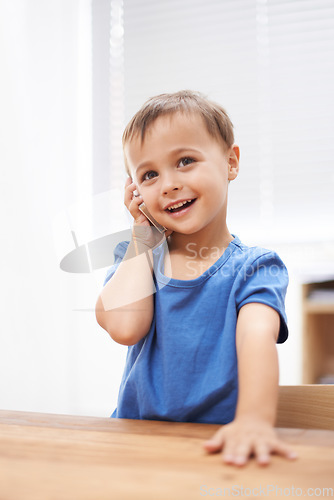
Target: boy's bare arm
point(256, 336)
point(252, 430)
point(125, 306)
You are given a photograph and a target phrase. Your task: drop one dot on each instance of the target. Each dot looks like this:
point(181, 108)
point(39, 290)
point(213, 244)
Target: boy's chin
point(186, 231)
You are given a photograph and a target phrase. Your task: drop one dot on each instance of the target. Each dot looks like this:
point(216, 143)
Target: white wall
point(53, 358)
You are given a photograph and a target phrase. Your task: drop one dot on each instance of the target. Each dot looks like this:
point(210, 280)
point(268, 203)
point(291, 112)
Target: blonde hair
point(215, 117)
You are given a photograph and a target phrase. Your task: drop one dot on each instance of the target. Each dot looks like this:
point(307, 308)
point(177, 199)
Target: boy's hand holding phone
point(144, 233)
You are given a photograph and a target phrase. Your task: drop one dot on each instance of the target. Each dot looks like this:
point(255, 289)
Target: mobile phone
point(152, 220)
point(142, 207)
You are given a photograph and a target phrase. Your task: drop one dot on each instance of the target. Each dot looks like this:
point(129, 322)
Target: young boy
point(200, 311)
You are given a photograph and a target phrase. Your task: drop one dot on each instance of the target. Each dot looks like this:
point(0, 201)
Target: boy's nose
point(171, 184)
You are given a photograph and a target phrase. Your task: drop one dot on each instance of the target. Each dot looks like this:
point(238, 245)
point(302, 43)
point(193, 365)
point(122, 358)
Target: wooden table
point(58, 457)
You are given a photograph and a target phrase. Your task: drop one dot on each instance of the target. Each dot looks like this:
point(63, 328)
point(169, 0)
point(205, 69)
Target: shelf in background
point(318, 332)
point(317, 307)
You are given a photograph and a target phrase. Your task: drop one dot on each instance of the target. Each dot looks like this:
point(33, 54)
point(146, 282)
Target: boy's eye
point(149, 175)
point(185, 161)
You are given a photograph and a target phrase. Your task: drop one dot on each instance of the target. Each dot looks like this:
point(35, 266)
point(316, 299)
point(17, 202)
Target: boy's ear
point(233, 162)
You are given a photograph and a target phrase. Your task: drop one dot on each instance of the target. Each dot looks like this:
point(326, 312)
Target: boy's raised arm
point(252, 430)
point(125, 306)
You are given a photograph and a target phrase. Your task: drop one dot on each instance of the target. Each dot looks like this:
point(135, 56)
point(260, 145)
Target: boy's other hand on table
point(246, 437)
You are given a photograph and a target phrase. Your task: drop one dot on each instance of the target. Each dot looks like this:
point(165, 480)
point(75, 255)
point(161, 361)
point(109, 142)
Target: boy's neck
point(206, 239)
point(191, 255)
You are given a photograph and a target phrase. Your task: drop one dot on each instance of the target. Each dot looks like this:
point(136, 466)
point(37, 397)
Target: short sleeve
point(119, 253)
point(265, 280)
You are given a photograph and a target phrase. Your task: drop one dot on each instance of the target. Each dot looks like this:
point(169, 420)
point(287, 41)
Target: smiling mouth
point(180, 206)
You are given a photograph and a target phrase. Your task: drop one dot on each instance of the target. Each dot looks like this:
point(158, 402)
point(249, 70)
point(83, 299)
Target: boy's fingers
point(128, 190)
point(127, 196)
point(132, 202)
point(216, 442)
point(237, 455)
point(262, 453)
point(284, 450)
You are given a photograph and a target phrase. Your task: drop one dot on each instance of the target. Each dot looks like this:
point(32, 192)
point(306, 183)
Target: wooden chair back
point(306, 407)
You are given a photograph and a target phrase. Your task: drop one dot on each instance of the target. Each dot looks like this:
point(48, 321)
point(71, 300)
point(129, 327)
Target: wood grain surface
point(306, 406)
point(58, 457)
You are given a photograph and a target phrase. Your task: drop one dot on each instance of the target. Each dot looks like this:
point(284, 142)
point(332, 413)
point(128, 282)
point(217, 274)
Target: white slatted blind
point(270, 63)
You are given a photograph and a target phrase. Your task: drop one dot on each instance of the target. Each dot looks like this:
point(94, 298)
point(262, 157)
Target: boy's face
point(180, 163)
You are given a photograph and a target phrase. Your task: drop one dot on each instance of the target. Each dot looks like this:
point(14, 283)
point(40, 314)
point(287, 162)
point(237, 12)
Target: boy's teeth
point(177, 205)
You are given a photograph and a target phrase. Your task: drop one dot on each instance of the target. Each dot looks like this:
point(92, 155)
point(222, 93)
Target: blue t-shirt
point(185, 368)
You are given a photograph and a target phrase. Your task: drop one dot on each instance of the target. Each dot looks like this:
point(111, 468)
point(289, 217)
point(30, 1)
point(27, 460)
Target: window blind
point(270, 63)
